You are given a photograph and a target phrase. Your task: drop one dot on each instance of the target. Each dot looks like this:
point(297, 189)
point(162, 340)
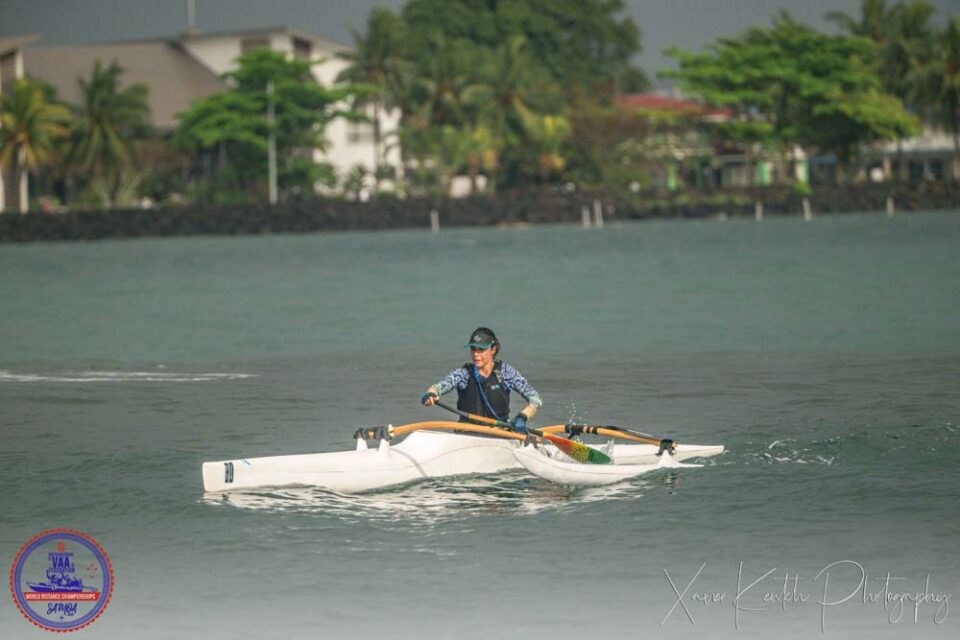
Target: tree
point(482, 147)
point(30, 128)
point(794, 86)
point(377, 60)
point(508, 91)
point(107, 122)
point(597, 131)
point(483, 70)
point(548, 133)
point(939, 84)
point(234, 123)
point(872, 22)
point(902, 34)
point(578, 42)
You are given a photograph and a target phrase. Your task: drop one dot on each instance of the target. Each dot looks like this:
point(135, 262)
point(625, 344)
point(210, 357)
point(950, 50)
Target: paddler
point(484, 384)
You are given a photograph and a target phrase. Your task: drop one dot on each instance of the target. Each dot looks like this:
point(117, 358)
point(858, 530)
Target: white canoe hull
point(629, 461)
point(422, 454)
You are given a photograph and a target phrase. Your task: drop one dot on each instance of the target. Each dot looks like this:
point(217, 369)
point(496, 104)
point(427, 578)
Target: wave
point(121, 376)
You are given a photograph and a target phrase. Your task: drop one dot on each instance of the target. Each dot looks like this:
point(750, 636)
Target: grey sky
point(688, 24)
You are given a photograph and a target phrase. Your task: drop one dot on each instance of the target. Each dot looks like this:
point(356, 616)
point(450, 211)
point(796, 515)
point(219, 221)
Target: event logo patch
point(61, 580)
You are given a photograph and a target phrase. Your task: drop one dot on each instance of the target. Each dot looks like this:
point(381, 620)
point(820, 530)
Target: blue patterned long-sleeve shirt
point(512, 380)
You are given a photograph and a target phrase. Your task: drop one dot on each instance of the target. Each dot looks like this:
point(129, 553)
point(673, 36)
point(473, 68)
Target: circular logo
point(61, 580)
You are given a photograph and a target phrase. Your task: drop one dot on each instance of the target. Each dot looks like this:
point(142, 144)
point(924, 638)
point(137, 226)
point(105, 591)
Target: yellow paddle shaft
point(456, 426)
point(600, 431)
point(439, 425)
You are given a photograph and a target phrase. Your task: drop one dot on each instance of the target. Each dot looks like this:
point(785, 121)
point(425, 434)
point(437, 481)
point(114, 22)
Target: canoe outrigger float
point(440, 449)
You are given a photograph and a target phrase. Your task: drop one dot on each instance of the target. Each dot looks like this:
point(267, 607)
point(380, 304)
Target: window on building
point(302, 49)
point(916, 170)
point(8, 72)
point(936, 170)
point(360, 133)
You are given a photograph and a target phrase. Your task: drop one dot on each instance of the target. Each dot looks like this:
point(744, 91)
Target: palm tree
point(481, 153)
point(377, 60)
point(108, 121)
point(549, 133)
point(508, 94)
point(938, 83)
point(444, 79)
point(902, 33)
point(30, 127)
point(904, 48)
point(872, 22)
point(505, 86)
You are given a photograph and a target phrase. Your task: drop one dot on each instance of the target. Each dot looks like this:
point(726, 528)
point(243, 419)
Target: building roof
point(323, 43)
point(175, 78)
point(654, 102)
point(10, 43)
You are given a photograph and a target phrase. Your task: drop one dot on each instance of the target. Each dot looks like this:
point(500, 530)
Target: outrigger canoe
point(433, 449)
point(628, 461)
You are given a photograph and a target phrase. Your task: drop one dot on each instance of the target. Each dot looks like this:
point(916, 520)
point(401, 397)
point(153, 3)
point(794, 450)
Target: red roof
point(654, 102)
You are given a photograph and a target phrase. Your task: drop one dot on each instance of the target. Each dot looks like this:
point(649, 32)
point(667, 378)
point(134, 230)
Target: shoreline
point(508, 209)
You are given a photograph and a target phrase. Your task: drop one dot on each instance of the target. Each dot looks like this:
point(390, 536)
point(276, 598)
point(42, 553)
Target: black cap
point(481, 338)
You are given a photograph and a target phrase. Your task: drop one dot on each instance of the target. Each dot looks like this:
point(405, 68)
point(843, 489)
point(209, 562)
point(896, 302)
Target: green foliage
point(235, 122)
point(548, 134)
point(508, 100)
point(791, 85)
point(901, 33)
point(30, 126)
point(376, 61)
point(938, 84)
point(578, 42)
point(607, 145)
point(802, 188)
point(474, 79)
point(353, 182)
point(108, 122)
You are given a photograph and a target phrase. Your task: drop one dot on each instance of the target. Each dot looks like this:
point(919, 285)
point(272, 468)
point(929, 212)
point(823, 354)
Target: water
point(824, 355)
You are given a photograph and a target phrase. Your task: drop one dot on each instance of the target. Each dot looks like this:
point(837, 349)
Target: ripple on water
point(911, 444)
point(430, 503)
point(85, 377)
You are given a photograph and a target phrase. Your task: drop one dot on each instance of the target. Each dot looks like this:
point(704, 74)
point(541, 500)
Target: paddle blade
point(578, 451)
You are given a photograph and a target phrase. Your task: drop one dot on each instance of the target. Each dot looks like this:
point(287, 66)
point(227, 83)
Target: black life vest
point(497, 394)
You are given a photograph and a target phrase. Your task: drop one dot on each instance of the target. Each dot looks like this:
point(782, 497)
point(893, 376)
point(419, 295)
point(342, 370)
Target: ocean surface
point(824, 355)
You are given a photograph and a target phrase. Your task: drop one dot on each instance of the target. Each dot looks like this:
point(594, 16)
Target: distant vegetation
point(232, 127)
point(514, 94)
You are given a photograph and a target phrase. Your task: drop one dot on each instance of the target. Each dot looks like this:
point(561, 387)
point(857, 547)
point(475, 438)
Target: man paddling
point(484, 384)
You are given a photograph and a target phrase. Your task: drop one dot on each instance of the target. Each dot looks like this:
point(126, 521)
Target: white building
point(191, 66)
point(350, 144)
point(928, 156)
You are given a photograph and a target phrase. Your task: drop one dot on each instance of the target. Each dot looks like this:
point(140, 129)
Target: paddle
point(618, 432)
point(576, 450)
point(380, 433)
